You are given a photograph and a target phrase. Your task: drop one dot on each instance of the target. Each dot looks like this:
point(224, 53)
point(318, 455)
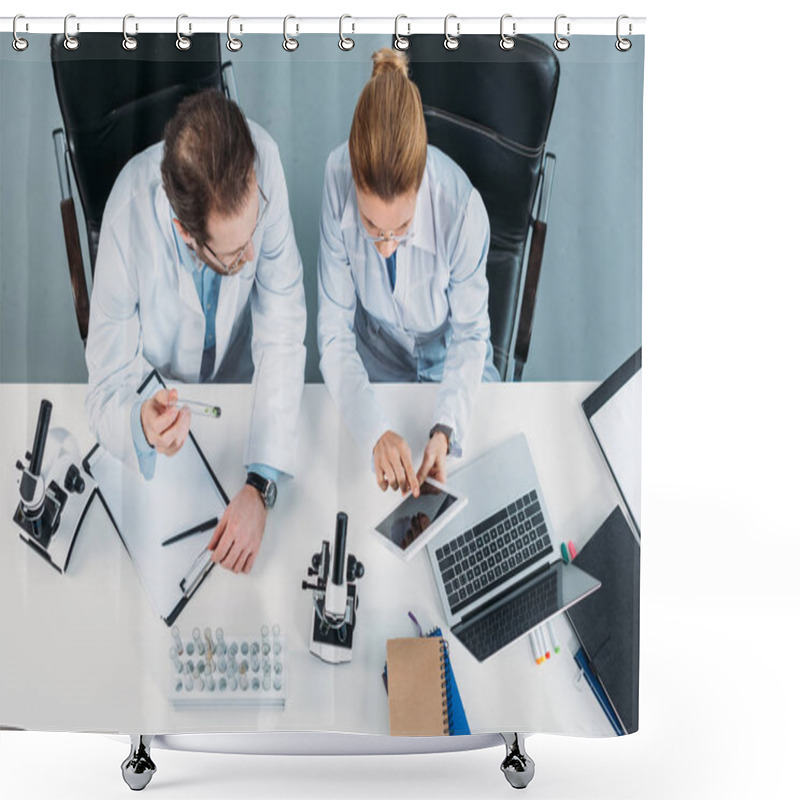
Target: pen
point(203, 526)
point(206, 409)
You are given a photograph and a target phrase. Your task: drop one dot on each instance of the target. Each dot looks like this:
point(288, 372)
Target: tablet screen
point(415, 515)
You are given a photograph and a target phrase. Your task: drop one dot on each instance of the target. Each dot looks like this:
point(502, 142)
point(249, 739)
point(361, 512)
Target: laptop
point(497, 570)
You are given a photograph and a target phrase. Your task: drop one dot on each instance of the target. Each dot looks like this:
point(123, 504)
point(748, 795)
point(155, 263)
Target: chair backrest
point(490, 111)
point(115, 103)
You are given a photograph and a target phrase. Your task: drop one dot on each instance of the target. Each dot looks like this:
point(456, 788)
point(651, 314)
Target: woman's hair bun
point(388, 60)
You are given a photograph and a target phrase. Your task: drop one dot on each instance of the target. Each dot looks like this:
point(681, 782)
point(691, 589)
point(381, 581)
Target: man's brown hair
point(208, 160)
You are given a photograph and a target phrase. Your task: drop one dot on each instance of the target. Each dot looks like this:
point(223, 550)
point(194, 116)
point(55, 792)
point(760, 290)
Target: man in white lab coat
point(198, 275)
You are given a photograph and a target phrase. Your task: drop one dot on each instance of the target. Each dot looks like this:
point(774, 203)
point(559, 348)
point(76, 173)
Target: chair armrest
point(80, 293)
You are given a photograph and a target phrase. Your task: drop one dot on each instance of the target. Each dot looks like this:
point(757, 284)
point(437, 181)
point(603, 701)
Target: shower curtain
point(321, 380)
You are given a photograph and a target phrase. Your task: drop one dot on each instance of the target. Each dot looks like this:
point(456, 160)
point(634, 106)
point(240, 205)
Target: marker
point(572, 551)
point(537, 657)
point(553, 639)
point(204, 409)
point(208, 525)
point(544, 643)
point(564, 553)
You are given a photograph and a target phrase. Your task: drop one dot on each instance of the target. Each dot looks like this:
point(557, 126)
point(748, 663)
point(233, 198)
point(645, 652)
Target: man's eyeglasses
point(239, 260)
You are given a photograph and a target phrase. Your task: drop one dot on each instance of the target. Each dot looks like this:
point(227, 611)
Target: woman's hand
point(434, 460)
point(392, 459)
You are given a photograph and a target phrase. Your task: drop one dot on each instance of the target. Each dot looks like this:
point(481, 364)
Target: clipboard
point(614, 412)
point(183, 493)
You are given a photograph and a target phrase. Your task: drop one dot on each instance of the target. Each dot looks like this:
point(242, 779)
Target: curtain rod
point(347, 25)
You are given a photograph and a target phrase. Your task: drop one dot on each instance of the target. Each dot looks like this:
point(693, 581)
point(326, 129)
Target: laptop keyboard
point(512, 619)
point(494, 550)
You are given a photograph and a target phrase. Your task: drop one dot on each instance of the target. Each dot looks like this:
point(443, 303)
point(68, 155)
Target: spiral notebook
point(417, 687)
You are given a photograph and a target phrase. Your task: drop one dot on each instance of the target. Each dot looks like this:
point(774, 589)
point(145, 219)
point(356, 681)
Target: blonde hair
point(388, 141)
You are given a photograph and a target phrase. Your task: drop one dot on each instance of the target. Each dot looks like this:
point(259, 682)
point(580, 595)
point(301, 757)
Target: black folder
point(607, 621)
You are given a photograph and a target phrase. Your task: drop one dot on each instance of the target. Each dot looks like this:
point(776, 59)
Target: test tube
point(209, 642)
point(221, 641)
point(233, 684)
point(211, 685)
point(253, 648)
point(223, 684)
point(276, 648)
point(243, 666)
point(189, 683)
point(176, 635)
point(222, 664)
point(278, 667)
point(201, 667)
point(173, 654)
point(267, 668)
point(255, 665)
point(245, 649)
point(276, 684)
point(189, 648)
point(255, 684)
point(201, 684)
point(243, 683)
point(233, 650)
point(276, 629)
point(198, 642)
point(190, 666)
point(178, 685)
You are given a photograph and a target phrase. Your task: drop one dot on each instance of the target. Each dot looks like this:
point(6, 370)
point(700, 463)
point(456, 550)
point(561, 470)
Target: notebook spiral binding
point(446, 709)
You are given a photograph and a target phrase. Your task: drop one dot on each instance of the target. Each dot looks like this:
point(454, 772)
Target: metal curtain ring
point(19, 44)
point(182, 42)
point(128, 42)
point(233, 44)
point(623, 45)
point(401, 42)
point(290, 44)
point(561, 43)
point(345, 42)
point(507, 42)
point(70, 42)
point(451, 42)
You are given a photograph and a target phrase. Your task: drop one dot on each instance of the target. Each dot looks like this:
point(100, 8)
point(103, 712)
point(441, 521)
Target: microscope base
point(334, 645)
point(60, 542)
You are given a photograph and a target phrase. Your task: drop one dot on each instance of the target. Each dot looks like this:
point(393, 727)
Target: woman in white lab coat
point(403, 294)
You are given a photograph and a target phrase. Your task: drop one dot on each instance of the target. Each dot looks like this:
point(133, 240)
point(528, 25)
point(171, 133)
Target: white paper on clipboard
point(614, 411)
point(182, 494)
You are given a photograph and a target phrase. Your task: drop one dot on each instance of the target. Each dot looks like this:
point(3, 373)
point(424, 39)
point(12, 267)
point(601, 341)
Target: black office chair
point(490, 111)
point(115, 103)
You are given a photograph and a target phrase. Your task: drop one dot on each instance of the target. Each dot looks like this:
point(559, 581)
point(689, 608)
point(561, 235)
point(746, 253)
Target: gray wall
point(588, 314)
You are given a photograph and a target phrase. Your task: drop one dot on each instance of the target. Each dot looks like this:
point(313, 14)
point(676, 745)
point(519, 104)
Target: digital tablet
point(416, 520)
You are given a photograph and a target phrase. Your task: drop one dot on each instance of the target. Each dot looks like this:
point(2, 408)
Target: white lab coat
point(433, 326)
point(146, 312)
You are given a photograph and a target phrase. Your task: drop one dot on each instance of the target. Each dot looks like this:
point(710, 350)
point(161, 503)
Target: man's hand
point(238, 535)
point(434, 459)
point(392, 459)
point(165, 426)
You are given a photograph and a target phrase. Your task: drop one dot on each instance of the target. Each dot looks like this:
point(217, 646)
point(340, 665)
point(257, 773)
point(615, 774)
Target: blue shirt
point(207, 283)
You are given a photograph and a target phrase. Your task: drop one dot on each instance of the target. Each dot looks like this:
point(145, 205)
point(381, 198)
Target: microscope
point(335, 601)
point(54, 493)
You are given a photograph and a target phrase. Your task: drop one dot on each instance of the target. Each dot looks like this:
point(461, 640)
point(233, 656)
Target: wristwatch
point(448, 433)
point(265, 487)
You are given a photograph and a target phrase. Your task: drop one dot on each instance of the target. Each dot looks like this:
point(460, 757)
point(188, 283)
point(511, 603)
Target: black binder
point(607, 621)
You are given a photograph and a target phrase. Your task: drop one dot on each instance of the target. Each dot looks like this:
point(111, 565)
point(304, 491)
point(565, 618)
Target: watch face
point(272, 493)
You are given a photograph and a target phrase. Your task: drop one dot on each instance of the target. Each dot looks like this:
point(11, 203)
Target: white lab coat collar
point(422, 224)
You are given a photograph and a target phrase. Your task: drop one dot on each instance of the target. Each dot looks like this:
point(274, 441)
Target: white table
point(84, 651)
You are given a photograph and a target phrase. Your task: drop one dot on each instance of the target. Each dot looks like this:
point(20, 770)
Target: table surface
point(84, 651)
